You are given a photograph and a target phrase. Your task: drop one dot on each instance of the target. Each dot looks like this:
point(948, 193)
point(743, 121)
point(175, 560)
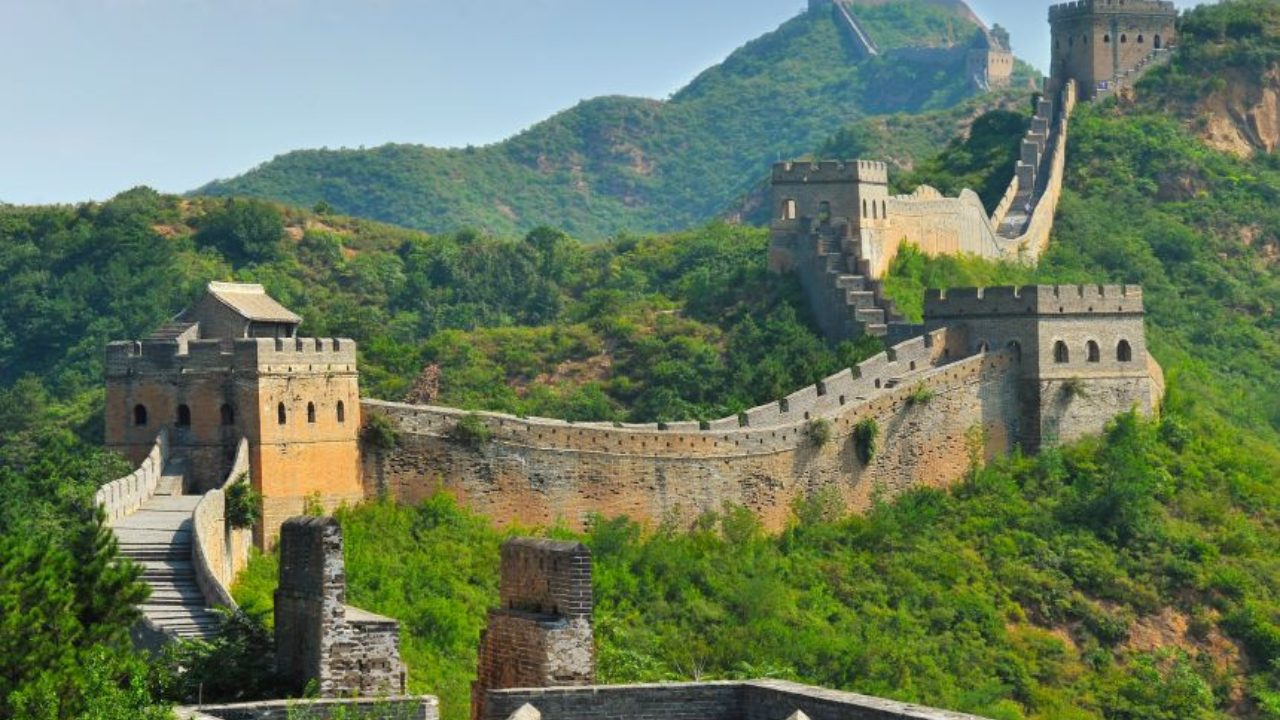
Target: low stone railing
point(218, 551)
point(420, 707)
point(123, 496)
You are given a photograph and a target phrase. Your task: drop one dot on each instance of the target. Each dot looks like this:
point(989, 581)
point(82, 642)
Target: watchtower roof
point(251, 302)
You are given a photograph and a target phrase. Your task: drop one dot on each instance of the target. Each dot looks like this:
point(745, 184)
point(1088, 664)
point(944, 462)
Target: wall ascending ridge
point(544, 471)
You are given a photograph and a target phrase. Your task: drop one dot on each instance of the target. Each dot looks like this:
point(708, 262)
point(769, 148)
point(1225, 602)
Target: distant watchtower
point(229, 367)
point(1098, 42)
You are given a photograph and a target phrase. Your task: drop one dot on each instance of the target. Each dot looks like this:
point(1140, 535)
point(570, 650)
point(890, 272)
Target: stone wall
point(541, 634)
point(219, 551)
point(122, 496)
point(938, 225)
point(346, 651)
point(758, 700)
point(424, 707)
point(537, 471)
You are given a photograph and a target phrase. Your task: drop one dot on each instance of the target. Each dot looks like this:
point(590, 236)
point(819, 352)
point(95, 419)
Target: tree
point(244, 230)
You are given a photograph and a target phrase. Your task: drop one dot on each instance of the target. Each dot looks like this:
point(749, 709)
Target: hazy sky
point(97, 96)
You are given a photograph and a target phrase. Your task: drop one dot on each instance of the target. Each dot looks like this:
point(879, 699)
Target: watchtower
point(1083, 351)
point(833, 198)
point(1097, 42)
point(232, 366)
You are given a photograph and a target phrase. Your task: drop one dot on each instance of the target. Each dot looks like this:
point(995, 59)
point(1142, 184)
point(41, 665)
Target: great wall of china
point(229, 393)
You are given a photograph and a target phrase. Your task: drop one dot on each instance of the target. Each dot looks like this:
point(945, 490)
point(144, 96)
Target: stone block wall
point(757, 700)
point(539, 471)
point(541, 634)
point(423, 707)
point(219, 551)
point(348, 652)
point(124, 495)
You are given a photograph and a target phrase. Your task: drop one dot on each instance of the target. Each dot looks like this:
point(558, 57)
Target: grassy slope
point(625, 163)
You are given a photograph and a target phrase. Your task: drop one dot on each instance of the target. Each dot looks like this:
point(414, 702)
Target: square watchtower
point(1096, 42)
point(808, 197)
point(232, 366)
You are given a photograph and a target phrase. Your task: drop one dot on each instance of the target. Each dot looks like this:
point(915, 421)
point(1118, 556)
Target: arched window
point(1124, 352)
point(184, 416)
point(788, 209)
point(140, 415)
point(1060, 352)
point(865, 210)
point(311, 413)
point(884, 209)
point(228, 415)
point(1159, 43)
point(1085, 39)
point(1094, 354)
point(342, 412)
point(1124, 38)
point(281, 415)
point(824, 211)
point(874, 211)
point(1106, 38)
point(1141, 40)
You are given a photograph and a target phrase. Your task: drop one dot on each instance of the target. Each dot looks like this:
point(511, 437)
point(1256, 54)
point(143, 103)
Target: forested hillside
point(1127, 577)
point(620, 163)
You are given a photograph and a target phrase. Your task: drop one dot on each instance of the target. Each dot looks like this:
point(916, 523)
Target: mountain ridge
point(616, 163)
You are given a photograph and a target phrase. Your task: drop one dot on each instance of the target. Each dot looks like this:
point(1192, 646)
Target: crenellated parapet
point(1033, 300)
point(827, 171)
point(1089, 8)
point(220, 355)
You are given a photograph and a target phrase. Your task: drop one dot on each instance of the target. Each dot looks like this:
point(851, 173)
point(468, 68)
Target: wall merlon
point(830, 171)
point(1068, 10)
point(1033, 300)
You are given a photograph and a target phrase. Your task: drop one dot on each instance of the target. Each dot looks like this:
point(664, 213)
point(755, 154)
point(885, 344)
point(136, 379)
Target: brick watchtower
point(229, 367)
point(1082, 347)
point(1098, 42)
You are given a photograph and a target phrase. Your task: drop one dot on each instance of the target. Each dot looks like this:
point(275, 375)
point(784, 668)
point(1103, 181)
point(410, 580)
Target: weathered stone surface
point(347, 651)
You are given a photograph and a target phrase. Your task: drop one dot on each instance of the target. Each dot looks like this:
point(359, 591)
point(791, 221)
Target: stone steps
point(158, 537)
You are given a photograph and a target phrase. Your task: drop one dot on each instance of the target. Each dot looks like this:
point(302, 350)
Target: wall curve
point(218, 551)
point(537, 471)
point(122, 496)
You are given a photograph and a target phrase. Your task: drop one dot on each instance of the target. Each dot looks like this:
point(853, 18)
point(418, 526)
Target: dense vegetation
point(618, 163)
point(1131, 576)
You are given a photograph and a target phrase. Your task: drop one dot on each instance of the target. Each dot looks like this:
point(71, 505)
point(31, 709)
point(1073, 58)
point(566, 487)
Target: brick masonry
point(541, 633)
point(759, 700)
point(346, 651)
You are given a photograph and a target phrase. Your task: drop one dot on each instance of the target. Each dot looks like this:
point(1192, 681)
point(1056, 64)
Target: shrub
point(1073, 388)
point(243, 504)
point(818, 432)
point(378, 432)
point(471, 430)
point(865, 436)
point(921, 395)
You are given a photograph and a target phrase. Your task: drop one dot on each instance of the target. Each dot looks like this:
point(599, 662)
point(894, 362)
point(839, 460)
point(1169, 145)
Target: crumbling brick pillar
point(541, 635)
point(347, 652)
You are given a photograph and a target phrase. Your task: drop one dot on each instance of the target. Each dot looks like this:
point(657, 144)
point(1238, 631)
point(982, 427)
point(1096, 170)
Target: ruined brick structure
point(541, 635)
point(1101, 44)
point(346, 651)
point(232, 367)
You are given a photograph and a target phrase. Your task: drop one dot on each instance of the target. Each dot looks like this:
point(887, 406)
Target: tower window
point(1159, 43)
point(281, 415)
point(1141, 40)
point(311, 413)
point(824, 211)
point(1106, 38)
point(228, 415)
point(1094, 354)
point(1124, 352)
point(184, 416)
point(1060, 352)
point(884, 209)
point(342, 412)
point(140, 415)
point(1124, 38)
point(788, 209)
point(865, 210)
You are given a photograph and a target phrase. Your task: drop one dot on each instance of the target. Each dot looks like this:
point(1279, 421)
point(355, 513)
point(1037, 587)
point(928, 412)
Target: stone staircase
point(157, 536)
point(847, 302)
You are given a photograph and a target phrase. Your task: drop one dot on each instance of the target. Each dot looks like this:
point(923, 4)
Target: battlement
point(1033, 300)
point(1081, 8)
point(129, 357)
point(830, 171)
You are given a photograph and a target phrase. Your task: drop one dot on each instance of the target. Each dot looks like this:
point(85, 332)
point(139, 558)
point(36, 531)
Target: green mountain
point(621, 163)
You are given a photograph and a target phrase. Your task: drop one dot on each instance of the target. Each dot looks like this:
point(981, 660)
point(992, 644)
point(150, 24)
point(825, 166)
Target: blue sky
point(97, 96)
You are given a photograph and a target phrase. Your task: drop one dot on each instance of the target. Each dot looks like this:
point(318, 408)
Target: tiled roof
point(252, 302)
